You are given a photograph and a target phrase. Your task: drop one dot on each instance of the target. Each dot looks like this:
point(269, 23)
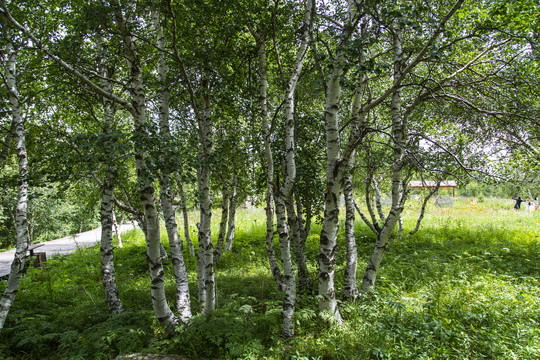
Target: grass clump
point(465, 286)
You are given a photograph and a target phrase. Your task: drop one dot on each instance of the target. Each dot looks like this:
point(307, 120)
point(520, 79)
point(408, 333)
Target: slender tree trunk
point(269, 162)
point(350, 289)
point(289, 283)
point(146, 187)
point(328, 239)
point(183, 305)
point(423, 209)
point(232, 214)
point(305, 224)
point(223, 223)
point(117, 230)
point(284, 194)
point(108, 276)
point(183, 207)
point(297, 243)
point(6, 145)
point(398, 195)
point(206, 253)
point(21, 222)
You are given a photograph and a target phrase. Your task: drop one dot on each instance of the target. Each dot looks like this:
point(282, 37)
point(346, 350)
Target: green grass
point(466, 286)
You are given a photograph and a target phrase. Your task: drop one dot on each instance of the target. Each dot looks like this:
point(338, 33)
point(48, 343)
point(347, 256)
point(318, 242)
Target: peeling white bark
point(183, 305)
point(298, 243)
point(117, 230)
point(222, 223)
point(384, 237)
point(108, 276)
point(233, 203)
point(146, 187)
point(328, 239)
point(269, 163)
point(183, 207)
point(21, 222)
point(207, 289)
point(350, 289)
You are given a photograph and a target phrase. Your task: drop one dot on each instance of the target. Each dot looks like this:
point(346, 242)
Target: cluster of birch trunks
point(285, 208)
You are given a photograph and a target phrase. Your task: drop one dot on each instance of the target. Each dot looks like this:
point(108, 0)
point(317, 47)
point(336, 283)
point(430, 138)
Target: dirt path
point(64, 245)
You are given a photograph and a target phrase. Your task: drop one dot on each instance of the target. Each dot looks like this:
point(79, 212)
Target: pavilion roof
point(430, 183)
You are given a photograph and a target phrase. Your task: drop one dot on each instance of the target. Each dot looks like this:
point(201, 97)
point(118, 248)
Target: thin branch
point(423, 209)
point(96, 88)
point(416, 60)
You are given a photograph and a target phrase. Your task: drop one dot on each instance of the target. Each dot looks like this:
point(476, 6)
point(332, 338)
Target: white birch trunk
point(297, 244)
point(183, 207)
point(233, 203)
point(398, 132)
point(350, 289)
point(222, 223)
point(21, 223)
point(289, 283)
point(328, 239)
point(183, 305)
point(108, 276)
point(146, 187)
point(269, 210)
point(6, 145)
point(207, 288)
point(284, 194)
point(117, 229)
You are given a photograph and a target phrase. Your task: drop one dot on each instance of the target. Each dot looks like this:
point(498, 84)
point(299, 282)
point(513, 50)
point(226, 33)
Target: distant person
point(517, 206)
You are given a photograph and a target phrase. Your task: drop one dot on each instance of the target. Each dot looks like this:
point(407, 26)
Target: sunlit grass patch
point(465, 286)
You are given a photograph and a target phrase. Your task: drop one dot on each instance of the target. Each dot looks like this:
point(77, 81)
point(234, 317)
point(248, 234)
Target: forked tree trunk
point(21, 223)
point(183, 305)
point(233, 203)
point(398, 192)
point(146, 187)
point(108, 276)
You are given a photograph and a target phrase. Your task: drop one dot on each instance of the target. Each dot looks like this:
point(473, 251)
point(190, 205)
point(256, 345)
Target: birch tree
point(137, 108)
point(18, 127)
point(338, 159)
point(180, 272)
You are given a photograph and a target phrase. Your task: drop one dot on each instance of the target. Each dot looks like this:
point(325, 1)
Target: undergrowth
point(466, 286)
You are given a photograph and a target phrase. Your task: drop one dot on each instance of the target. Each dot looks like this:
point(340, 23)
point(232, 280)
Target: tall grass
point(465, 286)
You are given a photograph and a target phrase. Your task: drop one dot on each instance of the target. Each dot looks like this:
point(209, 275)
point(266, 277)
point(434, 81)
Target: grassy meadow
point(466, 286)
